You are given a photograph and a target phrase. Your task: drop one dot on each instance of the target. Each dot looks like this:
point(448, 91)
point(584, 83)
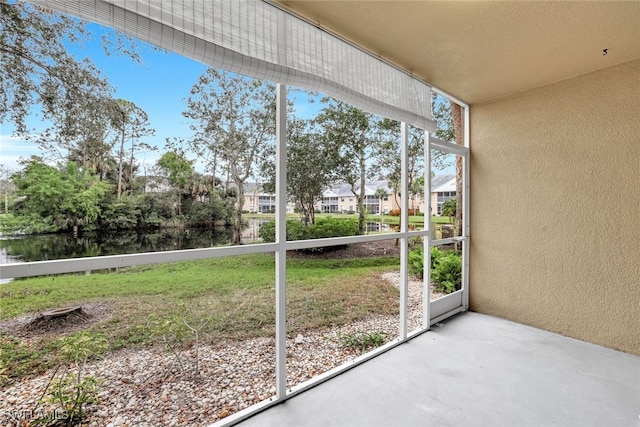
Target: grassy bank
point(387, 219)
point(236, 295)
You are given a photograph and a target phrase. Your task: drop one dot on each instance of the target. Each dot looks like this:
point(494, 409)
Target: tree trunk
point(120, 160)
point(312, 213)
point(361, 209)
point(131, 158)
point(237, 225)
point(458, 128)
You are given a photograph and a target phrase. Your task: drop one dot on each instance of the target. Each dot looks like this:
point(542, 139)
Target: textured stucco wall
point(555, 207)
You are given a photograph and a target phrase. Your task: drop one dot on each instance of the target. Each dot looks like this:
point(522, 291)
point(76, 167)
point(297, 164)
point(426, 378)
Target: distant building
point(256, 200)
point(340, 199)
point(443, 188)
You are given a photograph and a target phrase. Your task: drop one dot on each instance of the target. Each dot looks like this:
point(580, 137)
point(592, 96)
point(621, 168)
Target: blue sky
point(158, 85)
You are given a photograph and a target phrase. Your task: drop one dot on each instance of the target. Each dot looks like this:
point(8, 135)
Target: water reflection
point(59, 246)
point(251, 233)
point(379, 227)
point(26, 248)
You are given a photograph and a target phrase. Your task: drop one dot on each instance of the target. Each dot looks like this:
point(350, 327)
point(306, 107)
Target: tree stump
point(58, 319)
point(63, 312)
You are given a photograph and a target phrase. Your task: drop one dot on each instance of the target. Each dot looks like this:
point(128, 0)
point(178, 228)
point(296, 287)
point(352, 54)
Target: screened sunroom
point(548, 100)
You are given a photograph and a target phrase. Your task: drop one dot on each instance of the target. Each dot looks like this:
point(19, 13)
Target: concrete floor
point(475, 370)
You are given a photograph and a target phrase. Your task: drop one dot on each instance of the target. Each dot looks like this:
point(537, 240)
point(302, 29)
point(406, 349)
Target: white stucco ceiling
point(480, 51)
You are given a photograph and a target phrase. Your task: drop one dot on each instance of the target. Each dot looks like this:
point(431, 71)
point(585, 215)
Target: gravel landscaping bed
point(149, 388)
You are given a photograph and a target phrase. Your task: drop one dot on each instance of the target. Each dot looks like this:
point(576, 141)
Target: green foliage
point(171, 327)
point(352, 138)
point(441, 107)
point(446, 268)
point(449, 208)
point(447, 272)
point(234, 121)
point(82, 346)
point(28, 223)
point(176, 167)
point(20, 359)
point(69, 394)
point(71, 391)
point(124, 214)
point(323, 228)
point(81, 207)
point(310, 167)
point(362, 340)
point(154, 208)
point(214, 210)
point(36, 69)
point(65, 197)
point(416, 261)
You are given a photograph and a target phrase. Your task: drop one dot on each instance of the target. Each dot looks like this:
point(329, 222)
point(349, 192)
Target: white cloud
point(12, 149)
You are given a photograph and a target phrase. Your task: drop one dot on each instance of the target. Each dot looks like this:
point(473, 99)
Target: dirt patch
point(34, 325)
point(356, 250)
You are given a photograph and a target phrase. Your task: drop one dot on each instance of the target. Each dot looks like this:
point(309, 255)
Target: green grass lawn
point(236, 294)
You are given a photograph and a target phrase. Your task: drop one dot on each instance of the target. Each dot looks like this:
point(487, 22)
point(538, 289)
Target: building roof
point(440, 183)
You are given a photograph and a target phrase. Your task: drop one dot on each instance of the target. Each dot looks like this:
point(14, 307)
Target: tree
point(381, 193)
point(131, 124)
point(37, 73)
point(178, 171)
point(309, 167)
point(416, 189)
point(449, 118)
point(68, 197)
point(95, 155)
point(6, 186)
point(349, 134)
point(456, 116)
point(82, 206)
point(442, 116)
point(449, 208)
point(391, 151)
point(234, 125)
point(81, 133)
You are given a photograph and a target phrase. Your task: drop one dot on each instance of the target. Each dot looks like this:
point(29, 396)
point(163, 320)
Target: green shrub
point(446, 268)
point(416, 261)
point(72, 390)
point(436, 254)
point(323, 228)
point(26, 224)
point(447, 272)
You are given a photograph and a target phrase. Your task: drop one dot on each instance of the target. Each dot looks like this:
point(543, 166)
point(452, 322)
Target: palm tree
point(199, 187)
point(381, 193)
point(458, 128)
point(449, 208)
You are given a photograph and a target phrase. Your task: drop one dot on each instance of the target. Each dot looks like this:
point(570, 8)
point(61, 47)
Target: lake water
point(43, 247)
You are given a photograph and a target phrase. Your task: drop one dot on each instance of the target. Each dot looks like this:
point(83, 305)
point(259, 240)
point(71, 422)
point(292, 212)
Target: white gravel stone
point(140, 389)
